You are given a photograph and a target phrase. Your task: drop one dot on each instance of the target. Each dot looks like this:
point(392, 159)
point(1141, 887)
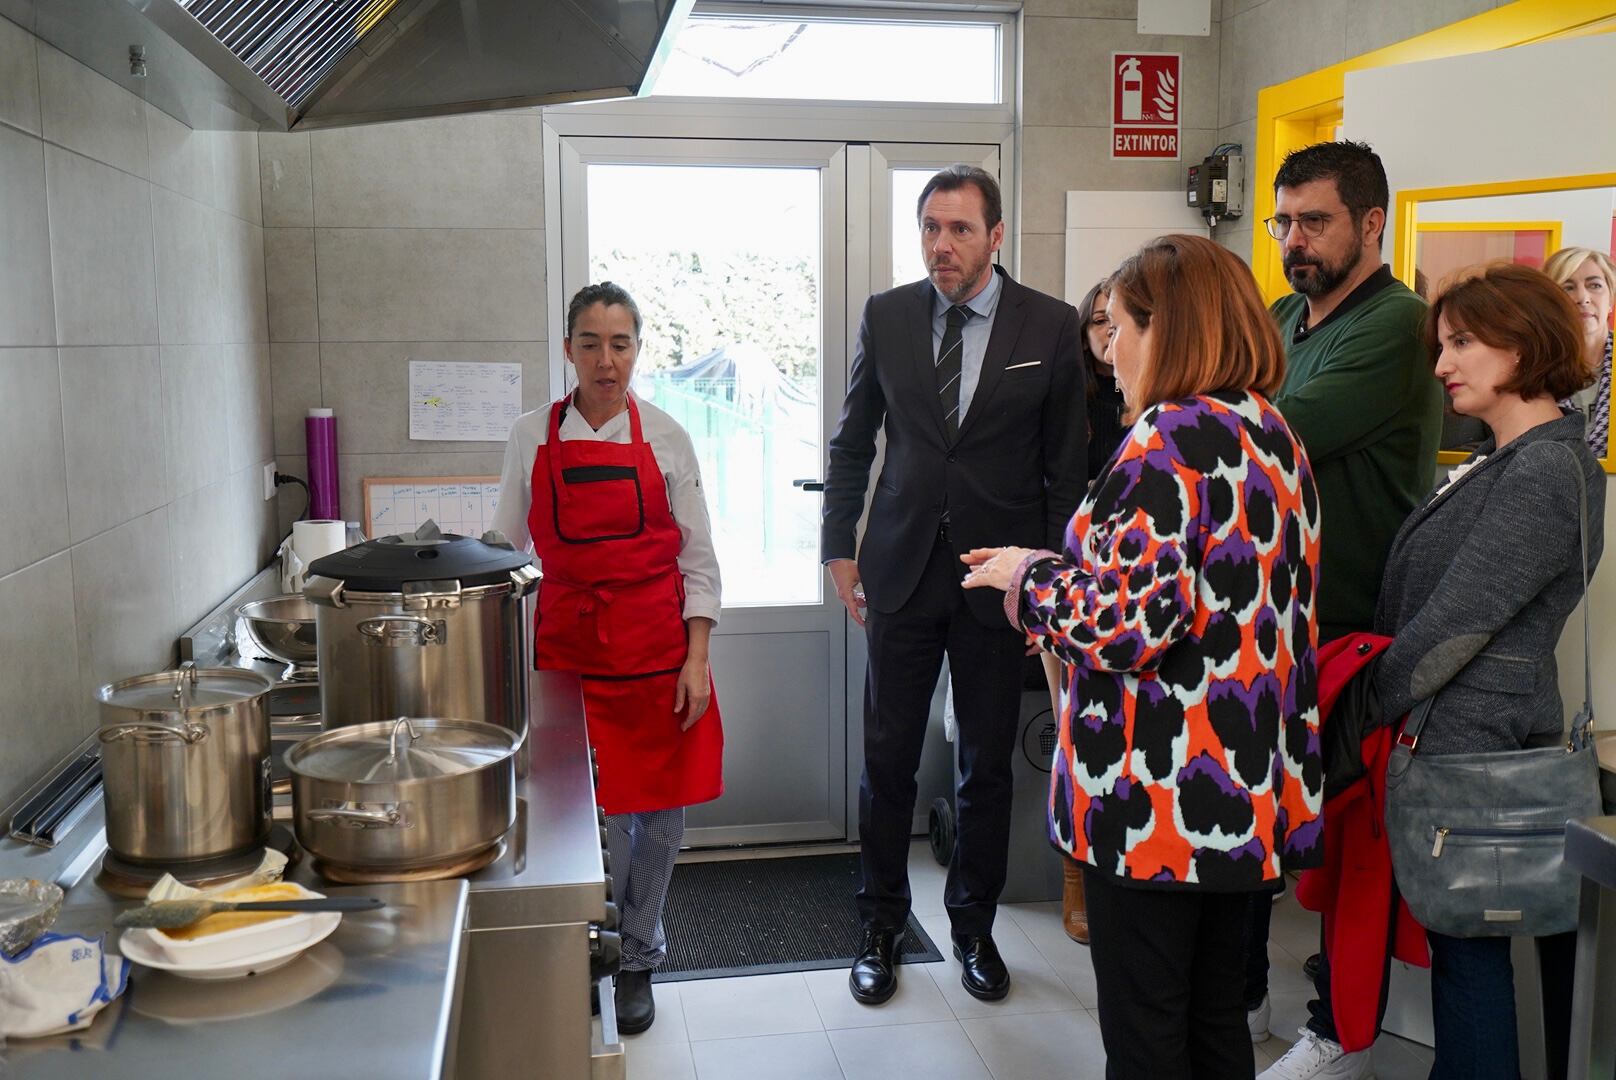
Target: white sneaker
point(1257, 1021)
point(1315, 1058)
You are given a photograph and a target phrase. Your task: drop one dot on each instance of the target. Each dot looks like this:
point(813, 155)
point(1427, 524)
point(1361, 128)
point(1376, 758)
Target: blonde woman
point(1589, 277)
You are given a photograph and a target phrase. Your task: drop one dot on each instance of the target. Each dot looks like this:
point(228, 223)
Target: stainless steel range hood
point(297, 64)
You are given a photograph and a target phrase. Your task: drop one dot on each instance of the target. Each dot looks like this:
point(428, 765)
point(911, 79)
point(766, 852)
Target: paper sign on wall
point(464, 402)
point(1146, 94)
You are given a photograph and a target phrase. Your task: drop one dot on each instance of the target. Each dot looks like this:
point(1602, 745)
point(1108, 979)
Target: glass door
point(735, 254)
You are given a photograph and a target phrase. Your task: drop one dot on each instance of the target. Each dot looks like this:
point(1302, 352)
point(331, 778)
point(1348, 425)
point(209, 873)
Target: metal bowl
point(283, 627)
point(27, 909)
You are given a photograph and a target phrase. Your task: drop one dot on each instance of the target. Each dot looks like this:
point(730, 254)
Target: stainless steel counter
point(377, 999)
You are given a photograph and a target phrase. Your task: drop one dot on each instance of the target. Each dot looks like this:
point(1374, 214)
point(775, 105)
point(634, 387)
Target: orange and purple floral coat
point(1183, 608)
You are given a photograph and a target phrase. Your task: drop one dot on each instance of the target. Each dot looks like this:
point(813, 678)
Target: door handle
point(808, 484)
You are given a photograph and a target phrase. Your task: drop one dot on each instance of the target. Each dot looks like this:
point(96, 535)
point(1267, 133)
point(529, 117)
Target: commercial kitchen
point(277, 276)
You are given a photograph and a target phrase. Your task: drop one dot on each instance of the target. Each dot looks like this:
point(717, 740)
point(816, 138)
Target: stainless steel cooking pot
point(186, 759)
point(403, 795)
point(426, 625)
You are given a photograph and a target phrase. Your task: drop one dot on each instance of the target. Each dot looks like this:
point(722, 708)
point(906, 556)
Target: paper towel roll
point(316, 539)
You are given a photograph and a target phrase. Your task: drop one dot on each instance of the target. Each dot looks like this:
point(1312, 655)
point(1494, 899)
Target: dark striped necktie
point(949, 355)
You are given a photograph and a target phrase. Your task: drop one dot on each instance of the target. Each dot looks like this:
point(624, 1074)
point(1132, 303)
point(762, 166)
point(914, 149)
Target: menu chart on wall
point(401, 504)
point(464, 402)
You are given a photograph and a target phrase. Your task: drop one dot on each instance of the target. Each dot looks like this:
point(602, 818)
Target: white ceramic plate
point(138, 946)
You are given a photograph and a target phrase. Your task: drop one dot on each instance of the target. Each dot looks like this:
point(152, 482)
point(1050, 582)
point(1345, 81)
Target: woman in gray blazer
point(1478, 585)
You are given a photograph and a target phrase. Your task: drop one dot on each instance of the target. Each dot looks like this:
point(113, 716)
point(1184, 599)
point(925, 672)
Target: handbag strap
point(1582, 724)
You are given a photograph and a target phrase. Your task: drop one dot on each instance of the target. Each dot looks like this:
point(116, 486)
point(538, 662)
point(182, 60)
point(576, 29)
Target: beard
point(968, 281)
point(1312, 276)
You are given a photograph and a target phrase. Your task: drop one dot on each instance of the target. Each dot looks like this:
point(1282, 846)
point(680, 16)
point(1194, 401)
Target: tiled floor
point(805, 1026)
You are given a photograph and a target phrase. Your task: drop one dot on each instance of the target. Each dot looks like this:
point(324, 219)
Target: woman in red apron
point(609, 491)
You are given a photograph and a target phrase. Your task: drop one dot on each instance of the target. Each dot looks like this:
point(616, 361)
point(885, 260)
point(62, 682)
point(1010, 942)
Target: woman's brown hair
point(1212, 331)
point(1521, 309)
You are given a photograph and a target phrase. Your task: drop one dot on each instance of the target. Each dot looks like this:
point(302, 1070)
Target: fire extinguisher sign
point(1146, 100)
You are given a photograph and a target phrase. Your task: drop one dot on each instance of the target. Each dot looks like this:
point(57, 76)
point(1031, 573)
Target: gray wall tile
point(101, 252)
point(244, 315)
point(1091, 9)
point(1372, 24)
point(42, 707)
point(367, 384)
point(238, 190)
point(430, 284)
point(27, 313)
point(181, 159)
point(205, 552)
point(1057, 160)
point(477, 171)
point(295, 376)
point(1075, 57)
point(1272, 43)
point(93, 115)
point(123, 603)
point(33, 484)
point(294, 313)
point(285, 174)
point(196, 396)
point(1043, 262)
point(114, 429)
point(290, 502)
point(248, 404)
point(260, 532)
point(19, 86)
point(190, 298)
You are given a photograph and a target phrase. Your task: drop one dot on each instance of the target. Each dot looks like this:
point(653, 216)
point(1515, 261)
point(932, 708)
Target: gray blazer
point(1478, 586)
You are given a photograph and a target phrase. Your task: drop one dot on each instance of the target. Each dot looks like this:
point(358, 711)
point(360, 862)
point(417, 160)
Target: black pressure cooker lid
point(386, 564)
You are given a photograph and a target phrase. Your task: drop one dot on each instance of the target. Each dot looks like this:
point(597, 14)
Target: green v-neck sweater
point(1360, 394)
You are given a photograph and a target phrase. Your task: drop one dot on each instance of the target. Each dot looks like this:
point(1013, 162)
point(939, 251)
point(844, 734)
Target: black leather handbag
point(1478, 840)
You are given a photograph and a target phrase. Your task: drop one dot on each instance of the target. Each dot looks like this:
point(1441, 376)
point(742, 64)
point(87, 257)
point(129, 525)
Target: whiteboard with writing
point(401, 504)
point(464, 402)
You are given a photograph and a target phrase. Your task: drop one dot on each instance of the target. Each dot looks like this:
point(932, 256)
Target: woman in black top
point(1105, 405)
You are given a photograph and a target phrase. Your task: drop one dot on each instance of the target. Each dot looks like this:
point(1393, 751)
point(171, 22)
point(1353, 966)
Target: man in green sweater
point(1360, 394)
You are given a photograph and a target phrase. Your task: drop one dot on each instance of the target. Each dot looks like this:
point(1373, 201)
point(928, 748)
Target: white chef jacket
point(676, 457)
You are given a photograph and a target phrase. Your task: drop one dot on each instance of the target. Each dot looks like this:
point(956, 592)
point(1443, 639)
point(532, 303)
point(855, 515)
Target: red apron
point(611, 607)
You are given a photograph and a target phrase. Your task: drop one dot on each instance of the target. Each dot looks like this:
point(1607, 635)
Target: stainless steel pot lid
point(408, 748)
point(387, 564)
point(185, 688)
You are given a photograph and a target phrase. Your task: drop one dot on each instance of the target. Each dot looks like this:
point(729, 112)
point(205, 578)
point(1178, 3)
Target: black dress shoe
point(1310, 967)
point(874, 977)
point(636, 1008)
point(985, 977)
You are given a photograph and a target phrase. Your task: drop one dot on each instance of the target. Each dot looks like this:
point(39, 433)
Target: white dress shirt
point(973, 335)
point(681, 473)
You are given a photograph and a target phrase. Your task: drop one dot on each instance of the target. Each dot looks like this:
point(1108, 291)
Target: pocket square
point(1029, 363)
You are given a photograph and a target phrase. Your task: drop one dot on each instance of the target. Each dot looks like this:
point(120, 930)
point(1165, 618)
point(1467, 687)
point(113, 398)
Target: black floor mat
point(761, 916)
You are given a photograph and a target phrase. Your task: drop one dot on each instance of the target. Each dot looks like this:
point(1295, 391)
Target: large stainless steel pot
point(403, 795)
point(186, 759)
point(423, 627)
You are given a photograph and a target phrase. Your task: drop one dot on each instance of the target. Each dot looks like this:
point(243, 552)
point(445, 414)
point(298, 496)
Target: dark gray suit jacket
point(1013, 476)
point(1478, 586)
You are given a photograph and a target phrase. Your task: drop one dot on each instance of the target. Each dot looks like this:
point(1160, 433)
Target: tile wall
point(135, 378)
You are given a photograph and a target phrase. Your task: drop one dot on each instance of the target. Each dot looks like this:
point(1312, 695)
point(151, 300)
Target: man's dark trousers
point(906, 649)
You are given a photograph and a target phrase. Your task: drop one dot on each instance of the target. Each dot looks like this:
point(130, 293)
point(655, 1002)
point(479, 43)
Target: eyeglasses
point(1313, 224)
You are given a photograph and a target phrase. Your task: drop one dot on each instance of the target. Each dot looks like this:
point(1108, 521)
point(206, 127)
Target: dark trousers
point(1321, 1010)
point(906, 650)
point(1473, 1006)
point(1167, 965)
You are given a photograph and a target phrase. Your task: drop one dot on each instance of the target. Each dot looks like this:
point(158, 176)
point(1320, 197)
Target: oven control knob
point(605, 953)
point(608, 880)
point(610, 921)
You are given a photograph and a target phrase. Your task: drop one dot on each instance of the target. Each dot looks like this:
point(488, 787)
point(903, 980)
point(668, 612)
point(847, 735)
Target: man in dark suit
point(977, 382)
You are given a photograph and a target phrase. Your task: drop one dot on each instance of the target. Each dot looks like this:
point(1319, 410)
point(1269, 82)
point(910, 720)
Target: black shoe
point(985, 977)
point(636, 1008)
point(1310, 967)
point(874, 977)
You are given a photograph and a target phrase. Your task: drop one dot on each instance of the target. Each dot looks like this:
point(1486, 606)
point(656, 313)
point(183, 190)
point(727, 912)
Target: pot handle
point(191, 733)
point(385, 817)
point(402, 630)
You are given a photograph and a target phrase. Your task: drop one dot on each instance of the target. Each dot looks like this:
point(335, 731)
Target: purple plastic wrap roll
point(325, 500)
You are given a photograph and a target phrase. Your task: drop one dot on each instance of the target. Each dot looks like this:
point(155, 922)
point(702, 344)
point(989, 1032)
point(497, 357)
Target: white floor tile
point(659, 1061)
point(917, 1000)
point(669, 1025)
point(933, 1051)
point(1034, 985)
point(1044, 927)
point(1394, 1059)
point(769, 1057)
point(1043, 1046)
point(753, 1005)
point(927, 880)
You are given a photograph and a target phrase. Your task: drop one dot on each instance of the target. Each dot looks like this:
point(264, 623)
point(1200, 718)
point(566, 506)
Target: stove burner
point(133, 880)
point(470, 864)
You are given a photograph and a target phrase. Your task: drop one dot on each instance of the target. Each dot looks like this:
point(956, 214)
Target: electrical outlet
point(269, 480)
